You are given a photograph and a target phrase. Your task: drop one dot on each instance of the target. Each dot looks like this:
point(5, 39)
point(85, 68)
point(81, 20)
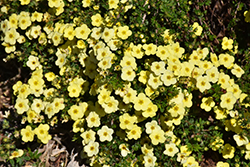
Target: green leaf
point(12, 162)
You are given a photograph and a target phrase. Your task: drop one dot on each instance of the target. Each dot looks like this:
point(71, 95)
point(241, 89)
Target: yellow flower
point(58, 104)
point(233, 125)
point(124, 150)
point(143, 78)
point(202, 52)
point(184, 149)
point(154, 82)
point(82, 32)
point(21, 105)
point(36, 16)
point(113, 4)
point(92, 148)
point(222, 164)
point(150, 49)
point(56, 38)
point(214, 59)
point(182, 158)
point(240, 140)
point(42, 39)
point(60, 9)
point(178, 98)
point(215, 145)
point(128, 74)
point(168, 78)
point(69, 32)
point(37, 105)
point(88, 136)
point(226, 60)
point(207, 103)
point(224, 80)
point(48, 92)
point(105, 63)
point(157, 136)
point(93, 120)
point(42, 133)
point(33, 62)
point(13, 21)
point(128, 61)
point(228, 100)
point(11, 36)
point(23, 91)
point(74, 90)
point(16, 154)
point(167, 37)
point(191, 162)
point(96, 20)
point(129, 96)
point(36, 83)
point(103, 52)
point(162, 52)
point(24, 22)
point(205, 65)
point(86, 3)
point(9, 48)
point(124, 32)
point(150, 111)
point(228, 151)
point(105, 133)
point(152, 126)
point(247, 16)
point(220, 112)
point(113, 44)
point(81, 45)
point(177, 110)
point(61, 60)
point(108, 34)
point(175, 67)
point(203, 83)
point(134, 133)
point(235, 89)
point(78, 126)
point(247, 155)
point(158, 67)
point(111, 105)
point(16, 86)
point(227, 43)
point(54, 3)
point(195, 58)
point(127, 121)
point(49, 110)
point(187, 101)
point(213, 74)
point(176, 50)
point(146, 149)
point(27, 134)
point(75, 112)
point(141, 102)
point(137, 52)
point(104, 96)
point(197, 29)
point(96, 33)
point(149, 160)
point(186, 69)
point(50, 76)
point(170, 149)
point(35, 31)
point(31, 115)
point(237, 71)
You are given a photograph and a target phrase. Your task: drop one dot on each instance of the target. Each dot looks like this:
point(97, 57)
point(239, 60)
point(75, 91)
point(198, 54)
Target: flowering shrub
point(129, 88)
